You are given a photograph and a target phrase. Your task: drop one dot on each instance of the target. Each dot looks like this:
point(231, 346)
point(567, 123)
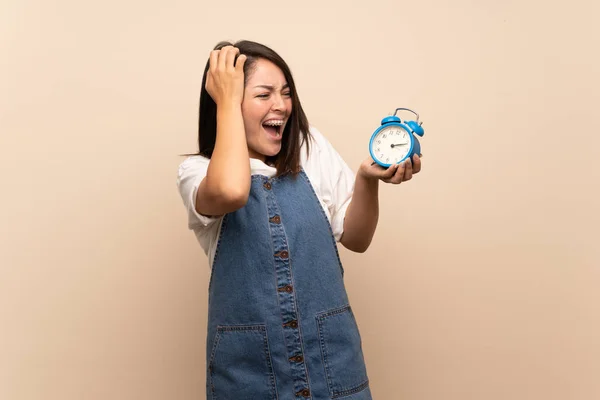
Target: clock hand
point(399, 144)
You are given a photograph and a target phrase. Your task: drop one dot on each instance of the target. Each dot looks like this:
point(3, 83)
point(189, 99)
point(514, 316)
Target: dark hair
point(287, 161)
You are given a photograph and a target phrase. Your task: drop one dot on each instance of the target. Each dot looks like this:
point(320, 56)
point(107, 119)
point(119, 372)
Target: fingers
point(223, 58)
point(225, 78)
point(401, 173)
point(388, 173)
point(214, 57)
point(416, 161)
point(398, 173)
point(230, 54)
point(404, 171)
point(408, 170)
point(239, 64)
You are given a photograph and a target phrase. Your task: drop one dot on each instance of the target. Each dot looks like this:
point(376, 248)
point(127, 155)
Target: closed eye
point(264, 96)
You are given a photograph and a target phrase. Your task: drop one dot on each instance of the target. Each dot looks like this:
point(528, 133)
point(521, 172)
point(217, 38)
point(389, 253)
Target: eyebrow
point(270, 87)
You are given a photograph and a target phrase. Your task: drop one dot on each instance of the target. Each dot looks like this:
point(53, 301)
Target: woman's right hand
point(225, 81)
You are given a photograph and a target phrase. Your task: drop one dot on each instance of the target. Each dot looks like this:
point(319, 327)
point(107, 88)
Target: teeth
point(274, 123)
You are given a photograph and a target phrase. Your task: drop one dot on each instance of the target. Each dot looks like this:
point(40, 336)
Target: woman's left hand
point(395, 174)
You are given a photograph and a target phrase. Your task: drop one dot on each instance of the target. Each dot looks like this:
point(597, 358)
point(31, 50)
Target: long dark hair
point(287, 161)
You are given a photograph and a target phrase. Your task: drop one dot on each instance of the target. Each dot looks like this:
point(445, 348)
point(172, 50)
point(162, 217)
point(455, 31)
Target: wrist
point(229, 106)
point(365, 179)
point(364, 175)
point(229, 113)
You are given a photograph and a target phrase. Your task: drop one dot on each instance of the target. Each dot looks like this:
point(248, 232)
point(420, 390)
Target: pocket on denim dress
point(341, 350)
point(240, 364)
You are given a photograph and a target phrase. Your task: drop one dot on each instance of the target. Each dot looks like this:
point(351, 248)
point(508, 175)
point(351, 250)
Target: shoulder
point(331, 177)
point(320, 148)
point(317, 138)
point(325, 166)
point(194, 161)
point(323, 153)
point(190, 173)
point(195, 165)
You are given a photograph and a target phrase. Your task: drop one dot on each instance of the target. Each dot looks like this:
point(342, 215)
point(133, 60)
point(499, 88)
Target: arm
point(362, 215)
point(227, 183)
point(363, 211)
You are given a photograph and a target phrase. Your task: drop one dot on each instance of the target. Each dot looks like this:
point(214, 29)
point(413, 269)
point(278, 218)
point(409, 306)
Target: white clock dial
point(391, 145)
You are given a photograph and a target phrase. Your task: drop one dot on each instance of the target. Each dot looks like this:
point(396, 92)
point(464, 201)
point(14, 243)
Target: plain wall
point(482, 280)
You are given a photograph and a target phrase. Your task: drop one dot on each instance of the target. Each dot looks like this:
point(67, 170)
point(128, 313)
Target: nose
point(278, 103)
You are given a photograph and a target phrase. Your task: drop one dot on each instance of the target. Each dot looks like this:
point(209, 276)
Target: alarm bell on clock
point(395, 141)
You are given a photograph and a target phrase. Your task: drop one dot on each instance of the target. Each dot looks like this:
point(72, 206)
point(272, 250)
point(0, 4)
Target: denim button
point(287, 288)
point(282, 254)
point(292, 324)
point(304, 393)
point(267, 185)
point(297, 358)
point(276, 219)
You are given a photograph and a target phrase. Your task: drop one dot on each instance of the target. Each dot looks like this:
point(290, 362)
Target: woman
point(268, 197)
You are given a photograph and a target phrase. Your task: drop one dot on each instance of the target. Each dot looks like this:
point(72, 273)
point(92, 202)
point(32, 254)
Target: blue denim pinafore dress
point(280, 325)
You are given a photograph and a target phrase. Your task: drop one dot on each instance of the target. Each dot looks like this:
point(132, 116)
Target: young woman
point(268, 198)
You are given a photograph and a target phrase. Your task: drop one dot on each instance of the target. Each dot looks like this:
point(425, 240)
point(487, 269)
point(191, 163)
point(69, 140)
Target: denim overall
point(279, 322)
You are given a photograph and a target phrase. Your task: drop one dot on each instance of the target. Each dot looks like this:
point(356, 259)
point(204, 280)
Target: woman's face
point(266, 107)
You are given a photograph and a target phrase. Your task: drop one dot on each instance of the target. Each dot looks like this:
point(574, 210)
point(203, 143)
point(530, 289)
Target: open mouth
point(274, 127)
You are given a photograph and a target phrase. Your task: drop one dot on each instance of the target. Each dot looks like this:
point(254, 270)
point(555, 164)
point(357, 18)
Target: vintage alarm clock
point(395, 141)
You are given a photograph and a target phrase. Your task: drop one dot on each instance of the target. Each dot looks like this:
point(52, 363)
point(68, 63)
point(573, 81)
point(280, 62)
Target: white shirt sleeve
point(189, 175)
point(336, 180)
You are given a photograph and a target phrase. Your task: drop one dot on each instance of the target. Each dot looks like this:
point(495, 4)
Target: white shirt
point(332, 179)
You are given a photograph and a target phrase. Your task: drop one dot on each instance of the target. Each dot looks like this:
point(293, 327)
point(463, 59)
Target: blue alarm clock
point(395, 141)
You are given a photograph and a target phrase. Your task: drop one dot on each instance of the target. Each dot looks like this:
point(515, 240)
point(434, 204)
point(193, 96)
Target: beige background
point(482, 281)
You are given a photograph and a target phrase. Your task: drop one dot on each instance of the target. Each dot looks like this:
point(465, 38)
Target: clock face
point(391, 144)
